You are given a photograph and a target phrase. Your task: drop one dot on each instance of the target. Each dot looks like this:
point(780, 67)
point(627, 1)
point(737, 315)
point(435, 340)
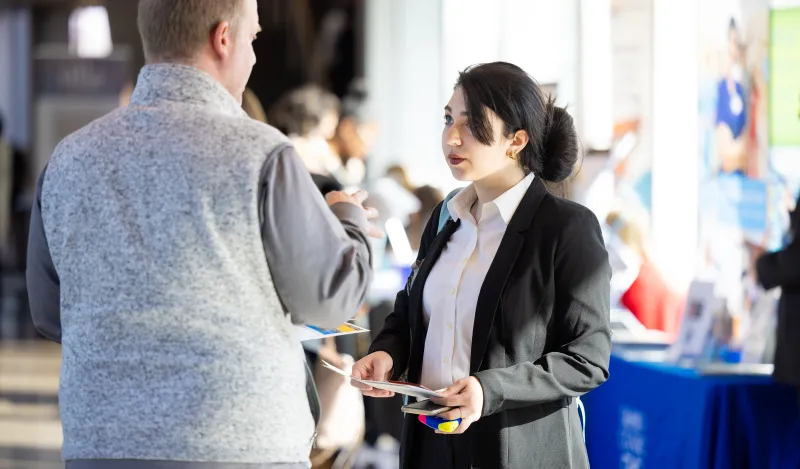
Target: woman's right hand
point(374, 367)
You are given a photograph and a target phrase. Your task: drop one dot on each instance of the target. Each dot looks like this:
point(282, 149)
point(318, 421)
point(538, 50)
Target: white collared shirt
point(452, 288)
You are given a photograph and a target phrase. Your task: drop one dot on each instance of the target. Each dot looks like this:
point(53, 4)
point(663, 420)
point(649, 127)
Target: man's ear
point(220, 39)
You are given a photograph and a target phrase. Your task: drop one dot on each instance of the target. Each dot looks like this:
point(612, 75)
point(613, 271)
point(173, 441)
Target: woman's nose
point(453, 138)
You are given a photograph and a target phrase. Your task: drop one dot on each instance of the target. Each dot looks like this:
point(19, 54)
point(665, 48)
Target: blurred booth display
point(696, 335)
point(70, 92)
point(653, 415)
point(636, 282)
point(626, 330)
point(743, 200)
point(758, 336)
point(632, 88)
point(708, 331)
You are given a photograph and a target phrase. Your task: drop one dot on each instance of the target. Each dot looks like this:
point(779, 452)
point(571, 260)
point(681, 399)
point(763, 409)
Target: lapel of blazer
point(415, 296)
point(497, 275)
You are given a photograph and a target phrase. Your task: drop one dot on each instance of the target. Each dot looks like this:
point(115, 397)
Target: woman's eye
point(448, 120)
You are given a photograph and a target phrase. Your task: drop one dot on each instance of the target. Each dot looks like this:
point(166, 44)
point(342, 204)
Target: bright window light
point(90, 32)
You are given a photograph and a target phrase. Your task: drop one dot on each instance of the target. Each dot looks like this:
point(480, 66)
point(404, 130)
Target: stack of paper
point(408, 389)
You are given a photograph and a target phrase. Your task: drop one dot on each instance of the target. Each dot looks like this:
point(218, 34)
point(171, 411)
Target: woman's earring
point(511, 154)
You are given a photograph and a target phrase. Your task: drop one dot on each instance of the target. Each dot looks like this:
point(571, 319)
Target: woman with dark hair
point(508, 305)
point(308, 116)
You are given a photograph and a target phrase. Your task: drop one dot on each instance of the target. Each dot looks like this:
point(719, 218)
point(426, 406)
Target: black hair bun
point(560, 145)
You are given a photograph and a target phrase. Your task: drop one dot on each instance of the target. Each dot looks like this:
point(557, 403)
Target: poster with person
point(737, 215)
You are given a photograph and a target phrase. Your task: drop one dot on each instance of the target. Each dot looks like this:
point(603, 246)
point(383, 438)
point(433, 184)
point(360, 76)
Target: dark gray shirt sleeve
point(44, 289)
point(319, 256)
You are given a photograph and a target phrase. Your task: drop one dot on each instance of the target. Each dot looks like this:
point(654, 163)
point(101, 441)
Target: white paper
point(412, 390)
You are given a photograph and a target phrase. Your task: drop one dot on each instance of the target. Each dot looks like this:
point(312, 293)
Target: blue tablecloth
point(651, 415)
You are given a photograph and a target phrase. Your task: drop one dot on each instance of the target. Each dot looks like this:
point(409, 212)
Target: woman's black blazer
point(541, 334)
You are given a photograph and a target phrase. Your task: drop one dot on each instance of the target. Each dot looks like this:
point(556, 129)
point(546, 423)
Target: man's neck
point(203, 64)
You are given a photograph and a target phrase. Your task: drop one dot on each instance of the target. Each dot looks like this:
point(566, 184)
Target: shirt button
point(445, 361)
point(449, 326)
point(452, 291)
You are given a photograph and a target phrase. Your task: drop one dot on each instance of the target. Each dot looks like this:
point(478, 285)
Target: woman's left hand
point(466, 395)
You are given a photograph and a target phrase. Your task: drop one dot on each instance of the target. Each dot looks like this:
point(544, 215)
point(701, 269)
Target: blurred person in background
point(429, 197)
point(125, 95)
point(782, 269)
point(173, 244)
point(637, 284)
point(252, 106)
point(396, 194)
point(731, 117)
point(508, 306)
point(354, 135)
point(399, 174)
point(309, 116)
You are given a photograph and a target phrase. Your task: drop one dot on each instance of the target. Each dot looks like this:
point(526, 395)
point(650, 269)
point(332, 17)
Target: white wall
point(541, 36)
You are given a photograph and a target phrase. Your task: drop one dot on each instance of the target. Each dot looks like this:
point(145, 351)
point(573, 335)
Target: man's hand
point(374, 367)
point(466, 395)
point(357, 199)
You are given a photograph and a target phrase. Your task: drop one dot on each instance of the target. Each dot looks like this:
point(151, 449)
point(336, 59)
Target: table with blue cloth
point(655, 415)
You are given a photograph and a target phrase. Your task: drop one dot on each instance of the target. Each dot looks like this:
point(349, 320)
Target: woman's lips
point(454, 159)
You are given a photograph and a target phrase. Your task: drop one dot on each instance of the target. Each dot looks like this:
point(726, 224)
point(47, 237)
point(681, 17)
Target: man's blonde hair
point(178, 29)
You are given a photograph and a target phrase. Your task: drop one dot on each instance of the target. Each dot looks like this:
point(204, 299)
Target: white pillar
point(675, 138)
point(596, 119)
point(404, 76)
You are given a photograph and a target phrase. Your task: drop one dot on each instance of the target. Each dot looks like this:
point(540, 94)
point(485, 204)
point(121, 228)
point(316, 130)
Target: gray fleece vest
point(175, 345)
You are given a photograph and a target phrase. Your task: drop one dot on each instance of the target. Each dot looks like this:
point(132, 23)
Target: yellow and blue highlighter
point(438, 423)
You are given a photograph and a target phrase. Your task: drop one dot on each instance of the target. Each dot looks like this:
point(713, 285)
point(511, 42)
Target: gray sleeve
point(44, 290)
point(319, 256)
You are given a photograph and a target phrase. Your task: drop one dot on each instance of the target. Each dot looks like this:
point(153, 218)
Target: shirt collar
point(183, 83)
point(507, 203)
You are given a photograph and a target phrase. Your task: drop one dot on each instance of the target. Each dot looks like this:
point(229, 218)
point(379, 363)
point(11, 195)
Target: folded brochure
point(414, 390)
point(309, 332)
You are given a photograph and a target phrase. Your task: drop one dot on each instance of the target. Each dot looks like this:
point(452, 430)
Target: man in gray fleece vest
point(173, 245)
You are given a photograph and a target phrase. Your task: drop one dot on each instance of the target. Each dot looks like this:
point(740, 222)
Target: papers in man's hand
point(309, 332)
point(408, 389)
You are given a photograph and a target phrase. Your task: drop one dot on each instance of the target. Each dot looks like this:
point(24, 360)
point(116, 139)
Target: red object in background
point(651, 300)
